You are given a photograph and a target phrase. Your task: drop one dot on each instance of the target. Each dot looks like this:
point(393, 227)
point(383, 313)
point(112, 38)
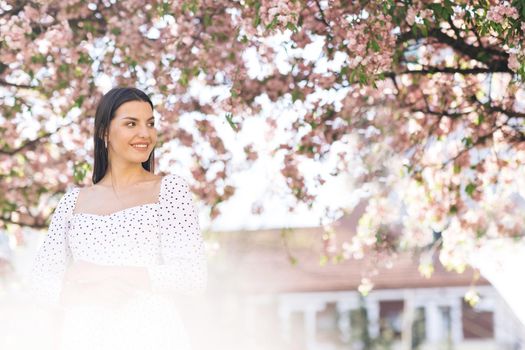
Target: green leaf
point(257, 19)
point(467, 141)
point(272, 24)
point(297, 95)
point(79, 101)
point(424, 30)
point(338, 258)
point(363, 78)
point(480, 119)
point(163, 8)
point(437, 9)
point(84, 58)
point(64, 67)
point(344, 71)
point(470, 188)
point(38, 58)
point(293, 260)
point(323, 260)
point(80, 169)
point(187, 74)
point(207, 21)
point(229, 119)
point(292, 27)
point(414, 30)
point(191, 6)
point(375, 46)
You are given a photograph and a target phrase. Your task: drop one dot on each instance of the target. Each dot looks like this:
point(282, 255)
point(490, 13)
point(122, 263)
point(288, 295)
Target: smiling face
point(132, 134)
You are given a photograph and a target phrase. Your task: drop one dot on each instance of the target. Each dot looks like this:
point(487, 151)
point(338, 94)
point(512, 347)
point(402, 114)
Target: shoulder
point(175, 185)
point(175, 180)
point(66, 202)
point(70, 194)
point(84, 189)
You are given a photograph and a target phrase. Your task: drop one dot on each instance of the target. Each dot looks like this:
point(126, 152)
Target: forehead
point(134, 108)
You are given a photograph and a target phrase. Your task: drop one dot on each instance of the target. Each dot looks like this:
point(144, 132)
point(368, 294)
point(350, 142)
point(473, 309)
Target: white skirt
point(147, 321)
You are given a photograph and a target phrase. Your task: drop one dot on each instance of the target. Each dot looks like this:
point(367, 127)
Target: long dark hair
point(106, 108)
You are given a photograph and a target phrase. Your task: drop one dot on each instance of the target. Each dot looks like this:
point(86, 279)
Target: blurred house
point(263, 301)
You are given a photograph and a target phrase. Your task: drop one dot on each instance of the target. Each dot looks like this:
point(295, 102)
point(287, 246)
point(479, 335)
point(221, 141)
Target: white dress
point(164, 237)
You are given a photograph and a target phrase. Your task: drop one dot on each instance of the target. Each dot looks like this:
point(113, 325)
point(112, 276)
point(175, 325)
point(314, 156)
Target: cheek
point(153, 135)
point(121, 135)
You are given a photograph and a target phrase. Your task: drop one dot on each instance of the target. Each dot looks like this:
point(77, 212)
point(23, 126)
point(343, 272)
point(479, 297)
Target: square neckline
point(77, 189)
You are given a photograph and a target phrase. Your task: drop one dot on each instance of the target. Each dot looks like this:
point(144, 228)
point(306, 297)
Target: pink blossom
point(514, 64)
point(499, 12)
point(31, 13)
point(411, 15)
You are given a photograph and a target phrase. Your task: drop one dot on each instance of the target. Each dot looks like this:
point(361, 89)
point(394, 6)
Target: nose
point(143, 131)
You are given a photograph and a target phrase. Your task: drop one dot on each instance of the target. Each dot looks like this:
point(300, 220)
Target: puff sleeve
point(53, 256)
point(183, 267)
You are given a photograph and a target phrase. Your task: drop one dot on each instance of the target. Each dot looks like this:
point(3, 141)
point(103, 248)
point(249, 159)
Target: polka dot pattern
point(183, 260)
point(164, 237)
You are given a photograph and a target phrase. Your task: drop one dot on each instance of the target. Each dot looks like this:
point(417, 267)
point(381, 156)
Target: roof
point(260, 262)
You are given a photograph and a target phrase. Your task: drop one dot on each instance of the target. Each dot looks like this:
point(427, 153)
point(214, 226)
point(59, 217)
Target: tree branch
point(35, 224)
point(20, 86)
point(479, 141)
point(493, 109)
point(453, 115)
point(480, 54)
point(25, 145)
point(451, 70)
point(323, 18)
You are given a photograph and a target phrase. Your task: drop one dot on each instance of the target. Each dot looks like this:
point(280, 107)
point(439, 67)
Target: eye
point(151, 123)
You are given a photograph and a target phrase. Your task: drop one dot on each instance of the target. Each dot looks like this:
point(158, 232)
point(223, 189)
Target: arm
point(53, 256)
point(183, 269)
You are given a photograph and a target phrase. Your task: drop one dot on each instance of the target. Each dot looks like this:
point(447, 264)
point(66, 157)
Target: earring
point(106, 142)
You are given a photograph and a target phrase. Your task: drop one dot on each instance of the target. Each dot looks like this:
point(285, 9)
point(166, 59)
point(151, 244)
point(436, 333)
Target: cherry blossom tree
point(419, 100)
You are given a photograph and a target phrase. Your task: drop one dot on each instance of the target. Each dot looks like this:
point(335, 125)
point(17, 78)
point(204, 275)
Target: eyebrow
point(133, 118)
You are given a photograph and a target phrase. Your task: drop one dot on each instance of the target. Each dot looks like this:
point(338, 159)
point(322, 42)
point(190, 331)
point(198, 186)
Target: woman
point(120, 252)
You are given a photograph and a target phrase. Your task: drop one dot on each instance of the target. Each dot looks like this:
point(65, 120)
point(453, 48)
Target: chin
point(138, 159)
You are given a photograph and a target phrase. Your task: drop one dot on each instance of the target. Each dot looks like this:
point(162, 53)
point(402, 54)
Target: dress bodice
point(163, 236)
